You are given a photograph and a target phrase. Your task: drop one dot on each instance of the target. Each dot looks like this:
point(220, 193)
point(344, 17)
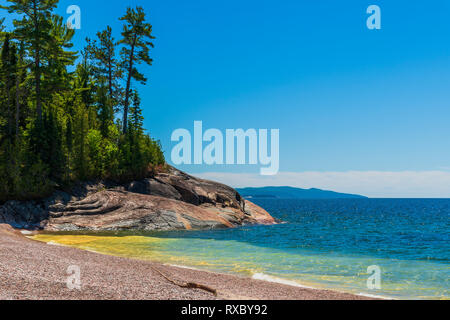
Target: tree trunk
point(37, 65)
point(18, 80)
point(110, 78)
point(8, 97)
point(38, 88)
point(127, 91)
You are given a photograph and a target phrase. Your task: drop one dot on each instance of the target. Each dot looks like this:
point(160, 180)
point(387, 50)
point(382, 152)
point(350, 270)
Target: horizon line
point(372, 184)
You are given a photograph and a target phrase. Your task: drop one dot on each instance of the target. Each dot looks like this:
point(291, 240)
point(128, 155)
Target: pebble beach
point(32, 270)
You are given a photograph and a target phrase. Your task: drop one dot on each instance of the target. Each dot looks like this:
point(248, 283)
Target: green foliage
point(137, 41)
point(57, 126)
point(2, 28)
point(34, 29)
point(105, 110)
point(106, 65)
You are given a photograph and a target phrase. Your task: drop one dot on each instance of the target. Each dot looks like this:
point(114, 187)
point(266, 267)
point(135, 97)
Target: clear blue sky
point(345, 98)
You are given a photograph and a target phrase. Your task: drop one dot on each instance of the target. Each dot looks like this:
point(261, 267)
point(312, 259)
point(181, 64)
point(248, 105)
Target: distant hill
point(293, 193)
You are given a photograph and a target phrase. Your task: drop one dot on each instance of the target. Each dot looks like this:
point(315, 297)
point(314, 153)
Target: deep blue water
point(334, 241)
point(405, 229)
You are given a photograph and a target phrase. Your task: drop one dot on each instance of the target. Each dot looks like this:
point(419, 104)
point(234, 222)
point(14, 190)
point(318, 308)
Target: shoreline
point(36, 270)
point(273, 279)
point(266, 277)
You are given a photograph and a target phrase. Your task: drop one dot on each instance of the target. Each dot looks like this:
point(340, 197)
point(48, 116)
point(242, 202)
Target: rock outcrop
point(167, 201)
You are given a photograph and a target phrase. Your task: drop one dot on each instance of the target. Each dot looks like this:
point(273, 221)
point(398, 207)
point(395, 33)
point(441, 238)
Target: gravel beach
point(31, 270)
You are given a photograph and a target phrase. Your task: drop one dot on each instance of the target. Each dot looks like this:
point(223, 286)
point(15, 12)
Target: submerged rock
point(167, 201)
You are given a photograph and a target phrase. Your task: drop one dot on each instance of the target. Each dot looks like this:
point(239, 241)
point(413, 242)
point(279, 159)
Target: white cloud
point(377, 184)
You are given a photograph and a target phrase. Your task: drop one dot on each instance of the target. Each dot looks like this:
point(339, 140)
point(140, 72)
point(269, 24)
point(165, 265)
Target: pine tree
point(52, 153)
point(69, 145)
point(8, 72)
point(5, 90)
point(58, 126)
point(2, 28)
point(80, 129)
point(137, 36)
point(34, 30)
point(107, 66)
point(105, 110)
point(58, 57)
point(20, 76)
point(136, 119)
point(84, 78)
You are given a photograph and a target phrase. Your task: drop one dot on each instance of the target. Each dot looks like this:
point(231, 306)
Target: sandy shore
point(35, 270)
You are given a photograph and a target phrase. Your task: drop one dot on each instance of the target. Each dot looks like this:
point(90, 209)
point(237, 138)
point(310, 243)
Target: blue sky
point(345, 98)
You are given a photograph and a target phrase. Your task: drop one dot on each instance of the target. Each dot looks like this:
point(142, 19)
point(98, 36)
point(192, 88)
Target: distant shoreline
point(294, 193)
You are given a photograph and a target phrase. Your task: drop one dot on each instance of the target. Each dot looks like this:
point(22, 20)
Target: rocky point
point(166, 201)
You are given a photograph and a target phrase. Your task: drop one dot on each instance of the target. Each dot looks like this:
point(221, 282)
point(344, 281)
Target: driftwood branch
point(189, 285)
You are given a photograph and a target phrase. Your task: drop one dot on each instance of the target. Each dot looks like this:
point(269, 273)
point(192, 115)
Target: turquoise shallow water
point(324, 243)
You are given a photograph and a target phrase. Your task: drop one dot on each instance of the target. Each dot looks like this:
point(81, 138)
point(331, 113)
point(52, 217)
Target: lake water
point(323, 244)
